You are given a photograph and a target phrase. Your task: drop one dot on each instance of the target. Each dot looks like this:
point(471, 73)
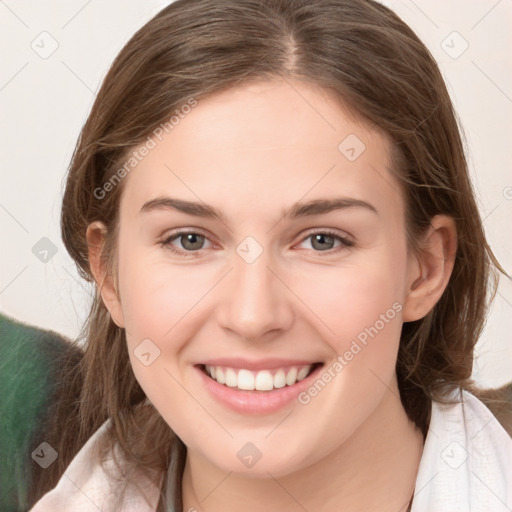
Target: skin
point(252, 152)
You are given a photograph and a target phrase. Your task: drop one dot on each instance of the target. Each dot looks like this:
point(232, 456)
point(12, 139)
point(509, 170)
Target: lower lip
point(256, 402)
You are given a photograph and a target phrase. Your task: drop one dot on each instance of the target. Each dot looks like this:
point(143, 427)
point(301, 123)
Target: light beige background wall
point(54, 55)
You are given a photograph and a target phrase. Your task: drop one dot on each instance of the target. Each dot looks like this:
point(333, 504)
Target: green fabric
point(27, 369)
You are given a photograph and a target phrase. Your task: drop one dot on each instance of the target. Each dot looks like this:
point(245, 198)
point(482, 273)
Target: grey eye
point(191, 241)
point(322, 241)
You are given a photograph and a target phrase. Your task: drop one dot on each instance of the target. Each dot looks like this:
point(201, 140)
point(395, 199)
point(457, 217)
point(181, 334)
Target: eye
point(324, 241)
point(193, 241)
point(190, 241)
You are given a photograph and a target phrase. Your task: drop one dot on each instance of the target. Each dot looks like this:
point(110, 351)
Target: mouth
point(261, 381)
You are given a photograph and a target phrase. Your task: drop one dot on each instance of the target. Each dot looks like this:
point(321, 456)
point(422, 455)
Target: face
point(277, 280)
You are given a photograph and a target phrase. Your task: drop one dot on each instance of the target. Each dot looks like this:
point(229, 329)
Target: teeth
point(264, 381)
point(280, 379)
point(291, 376)
point(218, 374)
point(302, 373)
point(245, 379)
point(259, 381)
point(231, 379)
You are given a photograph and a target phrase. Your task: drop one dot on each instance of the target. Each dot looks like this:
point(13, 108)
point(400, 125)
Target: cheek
point(157, 296)
point(349, 299)
point(360, 309)
point(361, 320)
point(159, 304)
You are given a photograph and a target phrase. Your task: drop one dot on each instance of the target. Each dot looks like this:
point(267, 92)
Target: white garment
point(85, 487)
point(466, 466)
point(467, 461)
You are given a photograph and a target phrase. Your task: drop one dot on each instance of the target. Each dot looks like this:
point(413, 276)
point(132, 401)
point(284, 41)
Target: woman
point(310, 349)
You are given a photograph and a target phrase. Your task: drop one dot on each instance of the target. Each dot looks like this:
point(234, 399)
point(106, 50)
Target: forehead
point(263, 146)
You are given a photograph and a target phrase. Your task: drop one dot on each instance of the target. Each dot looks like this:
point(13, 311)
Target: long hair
point(372, 61)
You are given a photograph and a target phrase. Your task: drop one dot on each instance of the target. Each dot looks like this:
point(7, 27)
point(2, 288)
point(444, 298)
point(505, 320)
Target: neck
point(374, 470)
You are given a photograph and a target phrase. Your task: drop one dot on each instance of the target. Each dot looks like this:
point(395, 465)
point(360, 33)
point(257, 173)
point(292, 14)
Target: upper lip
point(260, 364)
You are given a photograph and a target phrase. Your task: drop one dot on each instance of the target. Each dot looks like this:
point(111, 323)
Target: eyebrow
point(313, 207)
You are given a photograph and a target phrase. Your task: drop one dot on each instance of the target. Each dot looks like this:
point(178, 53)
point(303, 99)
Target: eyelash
point(345, 242)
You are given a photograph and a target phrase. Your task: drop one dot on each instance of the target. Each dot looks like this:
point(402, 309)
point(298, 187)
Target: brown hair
point(373, 62)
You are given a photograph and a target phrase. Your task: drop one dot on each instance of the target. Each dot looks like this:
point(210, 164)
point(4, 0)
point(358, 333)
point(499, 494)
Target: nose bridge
point(256, 301)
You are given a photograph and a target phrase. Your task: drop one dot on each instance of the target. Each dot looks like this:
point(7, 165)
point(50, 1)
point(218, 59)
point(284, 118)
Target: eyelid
point(346, 240)
point(344, 236)
point(168, 237)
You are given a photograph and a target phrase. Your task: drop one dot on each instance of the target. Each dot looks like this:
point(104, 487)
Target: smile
point(254, 392)
point(263, 380)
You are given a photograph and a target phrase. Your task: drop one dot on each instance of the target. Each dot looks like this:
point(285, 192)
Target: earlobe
point(430, 269)
point(105, 282)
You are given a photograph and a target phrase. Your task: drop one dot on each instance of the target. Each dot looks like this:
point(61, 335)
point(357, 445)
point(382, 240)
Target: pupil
point(192, 238)
point(322, 239)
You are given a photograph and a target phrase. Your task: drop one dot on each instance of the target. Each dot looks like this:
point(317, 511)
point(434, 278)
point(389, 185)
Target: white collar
point(85, 487)
point(467, 461)
point(466, 465)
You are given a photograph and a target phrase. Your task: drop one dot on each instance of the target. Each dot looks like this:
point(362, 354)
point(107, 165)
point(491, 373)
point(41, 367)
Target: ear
point(430, 269)
point(105, 281)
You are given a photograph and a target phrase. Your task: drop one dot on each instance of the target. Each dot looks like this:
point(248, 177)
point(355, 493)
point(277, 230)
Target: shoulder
point(92, 484)
point(467, 459)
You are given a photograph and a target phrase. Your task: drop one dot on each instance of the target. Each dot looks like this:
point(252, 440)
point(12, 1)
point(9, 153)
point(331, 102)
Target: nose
point(256, 300)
